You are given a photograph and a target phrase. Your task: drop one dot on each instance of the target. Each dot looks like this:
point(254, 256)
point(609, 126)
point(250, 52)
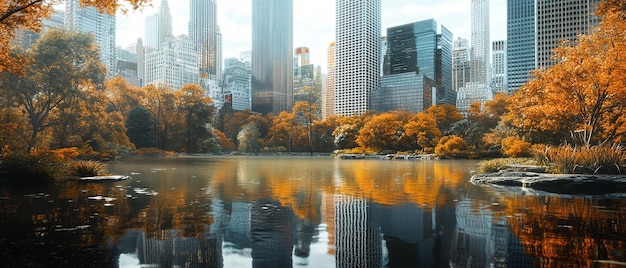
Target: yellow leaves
point(515, 147)
point(451, 146)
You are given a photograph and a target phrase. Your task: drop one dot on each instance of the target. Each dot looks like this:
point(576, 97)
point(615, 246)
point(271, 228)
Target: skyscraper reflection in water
point(272, 234)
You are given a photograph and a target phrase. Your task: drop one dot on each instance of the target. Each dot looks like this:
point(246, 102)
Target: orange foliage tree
point(451, 146)
point(382, 132)
point(582, 98)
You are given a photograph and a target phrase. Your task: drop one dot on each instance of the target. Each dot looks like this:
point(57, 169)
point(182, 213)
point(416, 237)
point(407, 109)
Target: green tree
point(197, 111)
point(62, 66)
point(140, 127)
point(249, 139)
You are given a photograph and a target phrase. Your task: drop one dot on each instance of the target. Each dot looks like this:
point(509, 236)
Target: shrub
point(452, 146)
point(497, 164)
point(515, 147)
point(88, 168)
point(36, 166)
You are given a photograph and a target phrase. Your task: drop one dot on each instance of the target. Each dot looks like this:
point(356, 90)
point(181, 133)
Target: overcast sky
point(314, 21)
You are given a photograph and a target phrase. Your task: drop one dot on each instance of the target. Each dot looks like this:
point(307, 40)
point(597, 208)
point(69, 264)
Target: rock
point(555, 183)
point(105, 178)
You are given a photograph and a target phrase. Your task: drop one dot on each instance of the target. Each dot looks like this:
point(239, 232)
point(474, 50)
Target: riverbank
point(555, 183)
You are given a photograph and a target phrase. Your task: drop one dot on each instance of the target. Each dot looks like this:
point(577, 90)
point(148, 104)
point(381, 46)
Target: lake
point(301, 211)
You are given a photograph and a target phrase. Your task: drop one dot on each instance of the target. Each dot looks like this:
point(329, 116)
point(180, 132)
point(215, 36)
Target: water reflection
point(303, 212)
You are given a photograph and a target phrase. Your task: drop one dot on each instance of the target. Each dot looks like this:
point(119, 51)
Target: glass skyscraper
point(272, 56)
point(520, 49)
point(158, 27)
point(204, 32)
point(357, 54)
point(418, 47)
point(102, 26)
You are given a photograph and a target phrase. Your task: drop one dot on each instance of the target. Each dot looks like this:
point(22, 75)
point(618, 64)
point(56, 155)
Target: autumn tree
point(249, 139)
point(197, 111)
point(306, 113)
point(348, 129)
point(381, 132)
point(284, 130)
point(140, 127)
point(445, 115)
point(582, 98)
point(422, 128)
point(452, 146)
point(28, 15)
point(62, 66)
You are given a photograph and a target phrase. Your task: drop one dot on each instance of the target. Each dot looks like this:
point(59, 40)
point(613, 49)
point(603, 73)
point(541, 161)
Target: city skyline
point(314, 22)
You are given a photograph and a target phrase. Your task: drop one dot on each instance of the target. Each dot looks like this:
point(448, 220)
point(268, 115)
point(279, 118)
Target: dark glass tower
point(205, 34)
point(422, 47)
point(521, 42)
point(272, 56)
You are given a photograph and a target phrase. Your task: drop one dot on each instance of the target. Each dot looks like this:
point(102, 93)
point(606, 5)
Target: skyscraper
point(520, 51)
point(561, 20)
point(272, 56)
point(205, 33)
point(158, 27)
point(536, 27)
point(498, 63)
point(479, 54)
point(357, 54)
point(102, 26)
point(328, 93)
point(174, 64)
point(460, 63)
point(421, 48)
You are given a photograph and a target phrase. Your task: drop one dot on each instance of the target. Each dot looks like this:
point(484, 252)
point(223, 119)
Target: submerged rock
point(555, 183)
point(105, 178)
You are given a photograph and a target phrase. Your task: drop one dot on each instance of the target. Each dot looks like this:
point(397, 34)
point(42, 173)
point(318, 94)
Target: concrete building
point(174, 64)
point(236, 84)
point(272, 56)
point(479, 54)
point(472, 92)
point(328, 92)
point(127, 66)
point(357, 54)
point(102, 26)
point(26, 38)
point(561, 20)
point(499, 76)
point(460, 63)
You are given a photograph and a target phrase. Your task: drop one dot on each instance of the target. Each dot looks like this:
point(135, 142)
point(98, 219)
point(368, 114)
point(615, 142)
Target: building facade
point(470, 93)
point(357, 54)
point(272, 56)
point(328, 92)
point(174, 64)
point(409, 91)
point(236, 84)
point(479, 53)
point(158, 27)
point(520, 50)
point(102, 26)
point(205, 33)
point(561, 20)
point(423, 47)
point(460, 63)
point(499, 76)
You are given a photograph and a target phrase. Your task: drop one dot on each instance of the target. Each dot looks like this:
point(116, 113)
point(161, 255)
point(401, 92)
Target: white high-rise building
point(357, 54)
point(174, 64)
point(205, 33)
point(460, 63)
point(479, 55)
point(498, 63)
point(102, 26)
point(158, 27)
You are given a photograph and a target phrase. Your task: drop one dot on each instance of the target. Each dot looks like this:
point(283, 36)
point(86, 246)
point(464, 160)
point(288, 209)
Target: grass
point(88, 168)
point(37, 166)
point(497, 164)
point(601, 159)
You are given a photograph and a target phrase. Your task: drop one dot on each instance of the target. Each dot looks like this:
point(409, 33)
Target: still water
point(304, 212)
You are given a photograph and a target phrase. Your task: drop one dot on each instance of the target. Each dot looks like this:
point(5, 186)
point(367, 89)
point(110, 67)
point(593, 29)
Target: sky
point(314, 22)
